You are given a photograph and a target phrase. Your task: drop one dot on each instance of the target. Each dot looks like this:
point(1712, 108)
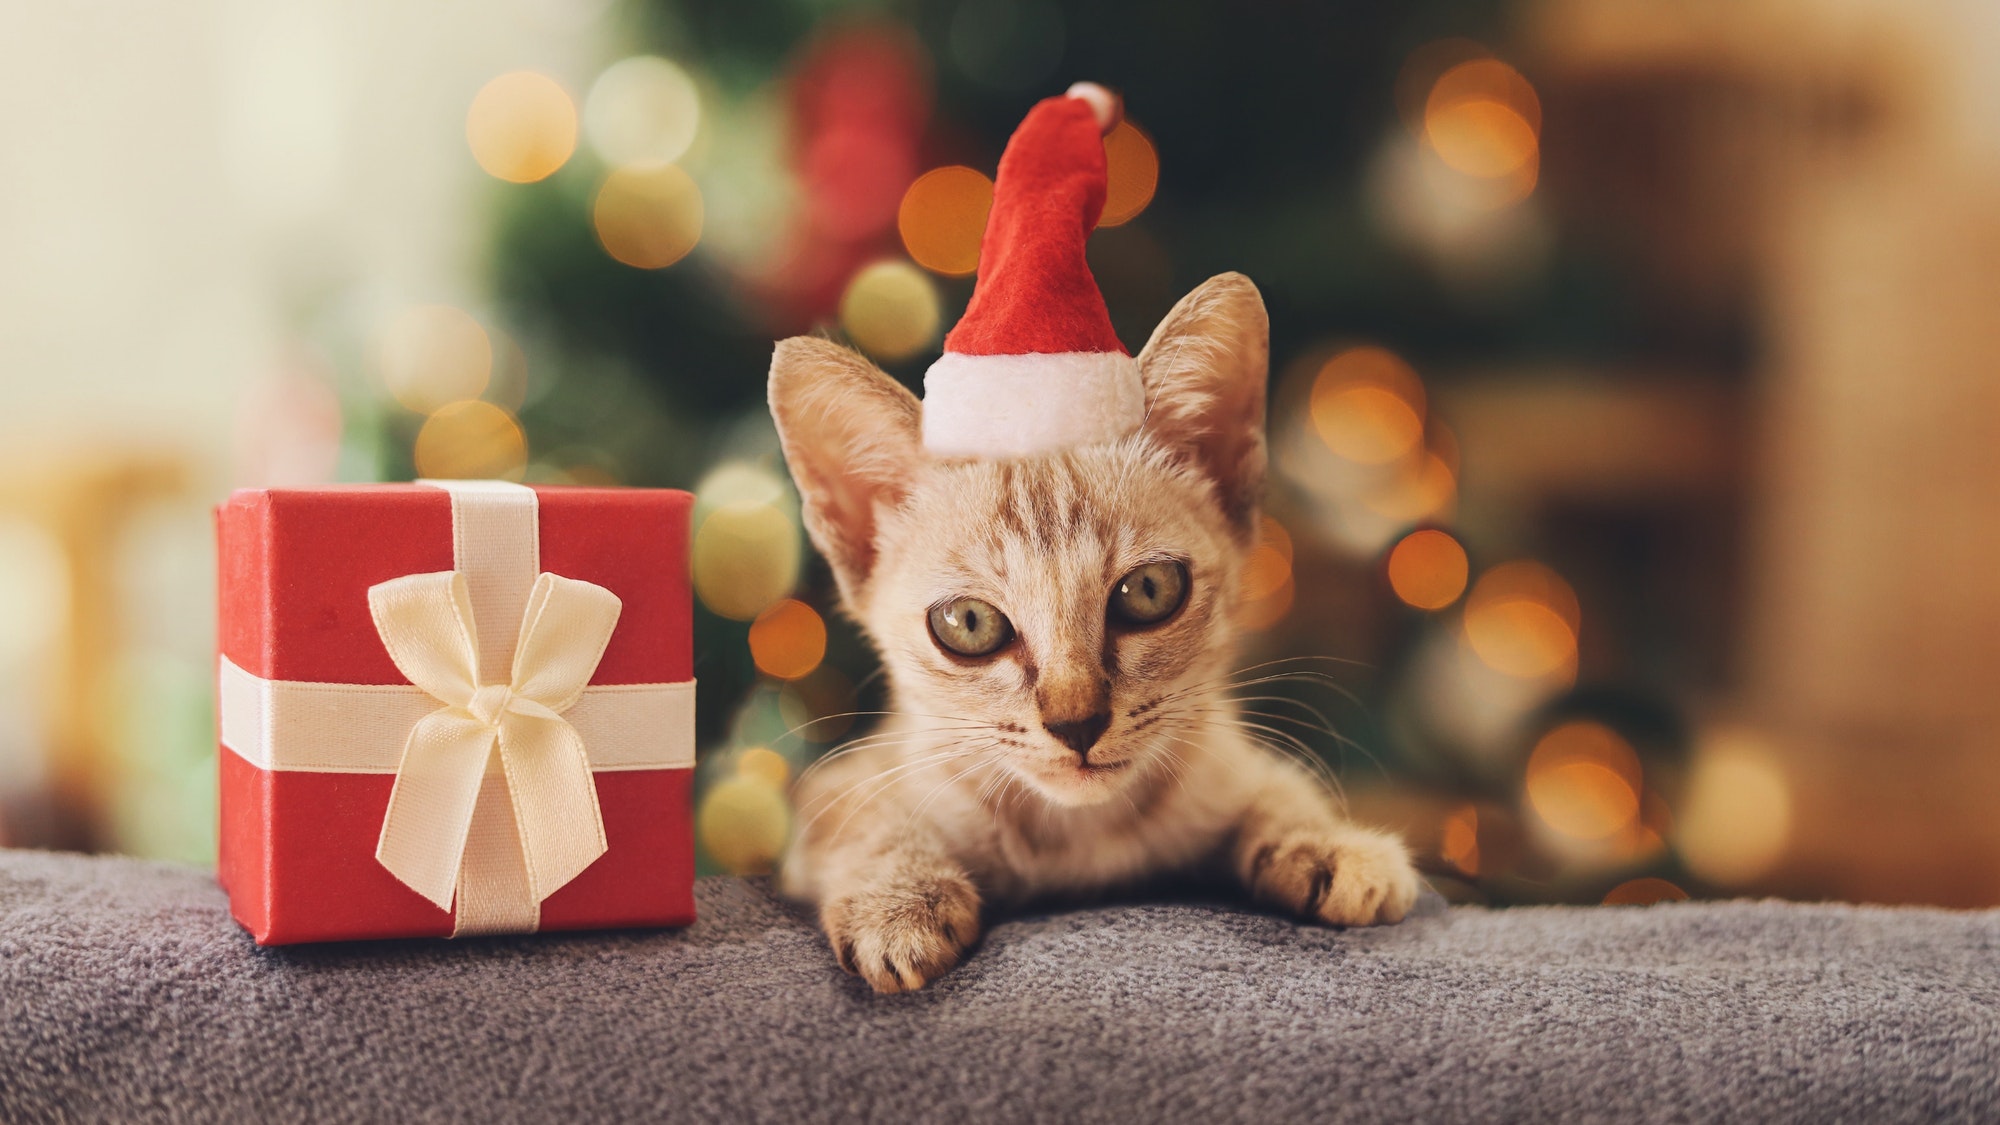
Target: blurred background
point(1636, 424)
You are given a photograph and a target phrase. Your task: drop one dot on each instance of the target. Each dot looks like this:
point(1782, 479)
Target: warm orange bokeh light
point(1458, 842)
point(1422, 69)
point(1424, 488)
point(1132, 166)
point(1266, 581)
point(1428, 569)
point(1368, 406)
point(1484, 120)
point(1644, 892)
point(1522, 619)
point(1584, 781)
point(521, 127)
point(943, 218)
point(471, 441)
point(766, 765)
point(788, 640)
point(648, 216)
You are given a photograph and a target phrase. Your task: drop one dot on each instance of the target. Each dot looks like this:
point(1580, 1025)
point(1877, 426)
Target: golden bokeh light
point(522, 127)
point(1483, 119)
point(943, 218)
point(1644, 892)
point(788, 640)
point(891, 310)
point(1368, 406)
point(746, 550)
point(471, 441)
point(642, 110)
point(648, 216)
point(744, 559)
point(1428, 569)
point(743, 823)
point(765, 765)
point(1737, 818)
point(1584, 781)
point(1522, 619)
point(1132, 168)
point(430, 355)
point(1458, 840)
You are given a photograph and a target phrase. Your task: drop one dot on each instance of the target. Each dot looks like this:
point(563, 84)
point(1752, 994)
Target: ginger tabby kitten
point(1057, 634)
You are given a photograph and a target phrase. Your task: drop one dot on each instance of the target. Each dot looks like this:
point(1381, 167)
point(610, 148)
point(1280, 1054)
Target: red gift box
point(316, 714)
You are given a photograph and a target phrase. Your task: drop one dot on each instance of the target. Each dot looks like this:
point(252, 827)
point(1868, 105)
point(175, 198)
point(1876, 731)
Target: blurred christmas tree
point(752, 169)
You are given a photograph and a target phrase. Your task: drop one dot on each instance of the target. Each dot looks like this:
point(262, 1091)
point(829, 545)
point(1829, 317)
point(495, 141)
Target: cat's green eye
point(970, 627)
point(1150, 594)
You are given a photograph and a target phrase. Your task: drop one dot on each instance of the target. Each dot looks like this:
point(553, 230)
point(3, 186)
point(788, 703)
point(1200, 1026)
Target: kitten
point(1056, 633)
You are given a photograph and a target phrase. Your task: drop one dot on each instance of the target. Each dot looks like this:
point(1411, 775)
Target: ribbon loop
point(426, 623)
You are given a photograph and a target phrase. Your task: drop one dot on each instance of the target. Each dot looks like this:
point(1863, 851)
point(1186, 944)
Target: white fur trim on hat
point(1021, 405)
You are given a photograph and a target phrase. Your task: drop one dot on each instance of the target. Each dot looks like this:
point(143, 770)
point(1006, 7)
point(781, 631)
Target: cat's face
point(1049, 605)
point(1040, 610)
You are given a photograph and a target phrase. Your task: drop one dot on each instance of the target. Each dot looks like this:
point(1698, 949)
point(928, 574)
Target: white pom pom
point(1103, 104)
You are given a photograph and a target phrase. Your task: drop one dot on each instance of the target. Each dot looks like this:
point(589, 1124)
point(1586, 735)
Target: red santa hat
point(1034, 365)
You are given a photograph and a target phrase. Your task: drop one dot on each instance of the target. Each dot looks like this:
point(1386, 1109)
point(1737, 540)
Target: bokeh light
point(788, 640)
point(1428, 569)
point(1422, 69)
point(1737, 817)
point(743, 824)
point(1483, 119)
point(471, 441)
point(1584, 781)
point(746, 552)
point(943, 218)
point(890, 310)
point(648, 216)
point(522, 127)
point(1368, 406)
point(642, 110)
point(430, 355)
point(1458, 839)
point(1644, 892)
point(1132, 168)
point(1522, 619)
point(765, 765)
point(1265, 586)
point(1424, 487)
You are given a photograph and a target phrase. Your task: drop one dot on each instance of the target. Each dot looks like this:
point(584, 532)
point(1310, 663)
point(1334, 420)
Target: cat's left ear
point(1204, 371)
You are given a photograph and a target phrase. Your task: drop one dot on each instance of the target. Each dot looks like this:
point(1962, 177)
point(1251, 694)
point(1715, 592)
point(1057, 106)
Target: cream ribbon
point(426, 622)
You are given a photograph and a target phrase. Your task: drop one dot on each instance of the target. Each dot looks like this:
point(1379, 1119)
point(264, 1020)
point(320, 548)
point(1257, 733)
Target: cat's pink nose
point(1080, 734)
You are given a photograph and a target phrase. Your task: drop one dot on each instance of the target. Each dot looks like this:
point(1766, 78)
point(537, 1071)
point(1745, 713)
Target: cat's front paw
point(903, 936)
point(1350, 878)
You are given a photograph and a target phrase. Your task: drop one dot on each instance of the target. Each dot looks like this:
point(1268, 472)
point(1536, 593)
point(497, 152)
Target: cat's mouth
point(1100, 769)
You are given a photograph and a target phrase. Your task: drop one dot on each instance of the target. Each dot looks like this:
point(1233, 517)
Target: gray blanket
point(127, 994)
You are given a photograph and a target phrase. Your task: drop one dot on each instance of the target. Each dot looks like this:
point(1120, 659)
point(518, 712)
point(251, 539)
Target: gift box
point(454, 708)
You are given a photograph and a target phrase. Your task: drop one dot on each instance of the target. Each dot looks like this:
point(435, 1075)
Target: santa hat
point(1034, 365)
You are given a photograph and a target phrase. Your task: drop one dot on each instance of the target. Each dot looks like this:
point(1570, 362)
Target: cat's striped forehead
point(1076, 519)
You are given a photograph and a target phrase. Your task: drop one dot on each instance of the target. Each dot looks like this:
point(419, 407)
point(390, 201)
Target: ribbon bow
point(426, 623)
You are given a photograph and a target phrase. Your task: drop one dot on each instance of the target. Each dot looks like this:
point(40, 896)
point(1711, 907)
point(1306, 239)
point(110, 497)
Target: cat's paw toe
point(1353, 879)
point(902, 937)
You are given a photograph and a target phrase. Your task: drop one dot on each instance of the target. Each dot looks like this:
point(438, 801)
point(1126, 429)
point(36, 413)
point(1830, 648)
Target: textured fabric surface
point(127, 994)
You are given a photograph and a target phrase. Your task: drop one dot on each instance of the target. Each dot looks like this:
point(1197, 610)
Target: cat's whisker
point(888, 779)
point(931, 753)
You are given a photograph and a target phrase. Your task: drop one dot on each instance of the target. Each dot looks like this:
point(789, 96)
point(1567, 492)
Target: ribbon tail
point(430, 808)
point(555, 800)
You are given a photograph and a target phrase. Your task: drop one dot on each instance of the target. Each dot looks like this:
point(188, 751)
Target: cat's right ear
point(852, 436)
